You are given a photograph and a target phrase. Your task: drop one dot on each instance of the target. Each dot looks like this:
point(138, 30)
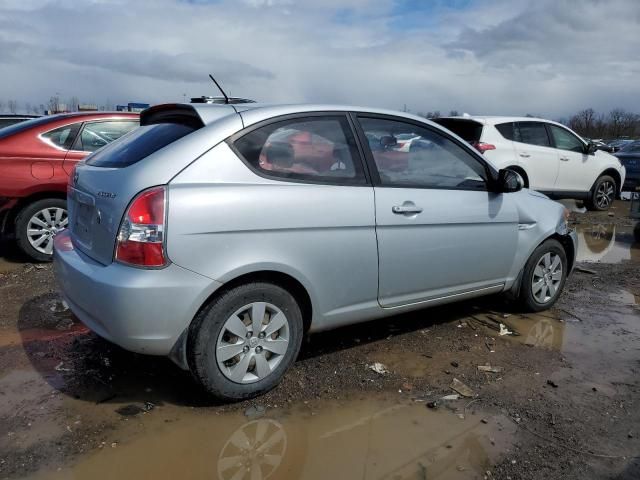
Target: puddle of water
point(360, 439)
point(606, 244)
point(407, 364)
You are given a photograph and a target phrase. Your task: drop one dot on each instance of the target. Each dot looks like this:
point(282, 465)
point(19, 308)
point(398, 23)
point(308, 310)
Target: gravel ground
point(565, 404)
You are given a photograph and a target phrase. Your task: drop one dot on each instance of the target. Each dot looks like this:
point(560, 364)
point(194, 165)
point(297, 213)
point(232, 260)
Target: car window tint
point(318, 149)
point(633, 147)
point(506, 130)
point(409, 155)
point(138, 144)
point(565, 140)
point(532, 133)
point(63, 137)
point(96, 135)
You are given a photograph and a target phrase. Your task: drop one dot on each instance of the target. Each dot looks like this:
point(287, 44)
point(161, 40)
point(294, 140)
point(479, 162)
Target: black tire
point(527, 300)
point(604, 186)
point(22, 224)
point(207, 327)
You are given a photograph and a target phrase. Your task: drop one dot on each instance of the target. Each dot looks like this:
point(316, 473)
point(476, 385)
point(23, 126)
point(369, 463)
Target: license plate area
point(83, 217)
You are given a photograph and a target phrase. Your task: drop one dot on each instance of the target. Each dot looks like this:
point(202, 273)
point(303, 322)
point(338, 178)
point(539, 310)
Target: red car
point(36, 159)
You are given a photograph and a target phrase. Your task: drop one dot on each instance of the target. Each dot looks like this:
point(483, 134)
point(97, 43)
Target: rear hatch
point(100, 189)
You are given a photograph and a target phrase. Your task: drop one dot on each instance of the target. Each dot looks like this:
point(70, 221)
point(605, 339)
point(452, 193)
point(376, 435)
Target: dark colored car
point(618, 144)
point(36, 158)
point(11, 119)
point(629, 156)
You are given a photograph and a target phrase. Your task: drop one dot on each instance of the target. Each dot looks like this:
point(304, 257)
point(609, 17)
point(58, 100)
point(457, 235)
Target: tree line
point(618, 123)
point(55, 104)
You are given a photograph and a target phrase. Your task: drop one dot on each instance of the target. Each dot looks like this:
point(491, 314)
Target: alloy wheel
point(604, 194)
point(547, 277)
point(43, 226)
point(252, 342)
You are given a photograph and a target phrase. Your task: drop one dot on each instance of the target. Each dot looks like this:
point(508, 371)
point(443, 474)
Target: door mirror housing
point(591, 148)
point(509, 181)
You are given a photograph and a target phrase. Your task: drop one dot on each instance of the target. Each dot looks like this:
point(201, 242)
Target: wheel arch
point(613, 173)
point(9, 220)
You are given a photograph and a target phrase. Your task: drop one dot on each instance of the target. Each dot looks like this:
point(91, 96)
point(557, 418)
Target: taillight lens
point(483, 147)
point(140, 239)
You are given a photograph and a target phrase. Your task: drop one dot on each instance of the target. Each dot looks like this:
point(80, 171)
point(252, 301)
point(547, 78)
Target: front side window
point(96, 135)
point(410, 155)
point(566, 140)
point(63, 137)
point(317, 149)
point(533, 133)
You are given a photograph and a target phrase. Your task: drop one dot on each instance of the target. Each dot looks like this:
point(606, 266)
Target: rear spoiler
point(195, 116)
point(171, 113)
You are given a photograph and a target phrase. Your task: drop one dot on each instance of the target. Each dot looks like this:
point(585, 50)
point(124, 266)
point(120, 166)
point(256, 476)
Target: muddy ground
point(562, 401)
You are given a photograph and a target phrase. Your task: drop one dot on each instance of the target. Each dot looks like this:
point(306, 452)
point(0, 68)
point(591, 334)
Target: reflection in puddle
point(360, 439)
point(607, 244)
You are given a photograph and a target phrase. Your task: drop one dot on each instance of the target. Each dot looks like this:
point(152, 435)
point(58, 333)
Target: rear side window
point(96, 135)
point(316, 149)
point(507, 130)
point(468, 130)
point(63, 137)
point(533, 133)
point(139, 144)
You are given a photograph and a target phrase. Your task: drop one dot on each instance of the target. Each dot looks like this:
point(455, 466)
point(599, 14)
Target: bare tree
point(12, 105)
point(54, 104)
point(453, 113)
point(73, 103)
point(1, 105)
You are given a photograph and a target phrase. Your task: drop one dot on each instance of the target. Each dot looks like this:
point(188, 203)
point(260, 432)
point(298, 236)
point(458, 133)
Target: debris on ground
point(455, 364)
point(489, 368)
point(378, 367)
point(582, 269)
point(454, 396)
point(504, 330)
point(461, 388)
point(129, 410)
point(433, 404)
point(552, 383)
point(60, 368)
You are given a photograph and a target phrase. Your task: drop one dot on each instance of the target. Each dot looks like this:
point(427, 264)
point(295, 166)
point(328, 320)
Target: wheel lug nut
point(248, 334)
point(261, 335)
point(258, 349)
point(245, 349)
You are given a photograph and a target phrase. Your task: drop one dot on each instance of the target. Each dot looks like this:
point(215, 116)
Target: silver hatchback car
point(220, 234)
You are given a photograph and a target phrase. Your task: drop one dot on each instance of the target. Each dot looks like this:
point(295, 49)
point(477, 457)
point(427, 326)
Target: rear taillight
point(140, 239)
point(483, 147)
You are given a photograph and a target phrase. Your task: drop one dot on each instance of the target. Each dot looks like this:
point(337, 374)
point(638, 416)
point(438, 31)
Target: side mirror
point(591, 148)
point(509, 181)
point(388, 141)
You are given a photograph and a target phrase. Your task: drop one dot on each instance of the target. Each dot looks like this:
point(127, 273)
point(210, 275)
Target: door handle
point(564, 159)
point(406, 209)
point(525, 155)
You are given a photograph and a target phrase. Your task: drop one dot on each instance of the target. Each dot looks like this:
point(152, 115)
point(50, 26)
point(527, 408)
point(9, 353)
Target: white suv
point(551, 158)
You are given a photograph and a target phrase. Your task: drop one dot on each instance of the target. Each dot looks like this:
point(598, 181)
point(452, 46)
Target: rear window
point(139, 144)
point(469, 130)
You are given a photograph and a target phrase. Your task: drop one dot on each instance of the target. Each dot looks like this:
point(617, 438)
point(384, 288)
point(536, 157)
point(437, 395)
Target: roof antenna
point(226, 99)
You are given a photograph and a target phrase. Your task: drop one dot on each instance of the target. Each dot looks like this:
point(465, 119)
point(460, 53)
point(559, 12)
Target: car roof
point(256, 112)
point(494, 119)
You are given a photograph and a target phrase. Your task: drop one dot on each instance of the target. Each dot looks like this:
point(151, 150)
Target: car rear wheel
point(36, 226)
point(602, 194)
point(243, 342)
point(543, 277)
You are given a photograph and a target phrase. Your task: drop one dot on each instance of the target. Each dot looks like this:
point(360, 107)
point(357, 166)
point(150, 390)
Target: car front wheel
point(603, 194)
point(243, 342)
point(543, 277)
point(37, 224)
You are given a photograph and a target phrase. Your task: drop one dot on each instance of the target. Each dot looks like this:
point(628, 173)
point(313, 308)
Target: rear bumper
point(143, 311)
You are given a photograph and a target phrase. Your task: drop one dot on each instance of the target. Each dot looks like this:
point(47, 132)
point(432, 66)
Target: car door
point(440, 231)
point(577, 170)
point(95, 135)
point(536, 155)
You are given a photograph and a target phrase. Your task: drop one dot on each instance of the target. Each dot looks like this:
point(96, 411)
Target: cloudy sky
point(547, 57)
